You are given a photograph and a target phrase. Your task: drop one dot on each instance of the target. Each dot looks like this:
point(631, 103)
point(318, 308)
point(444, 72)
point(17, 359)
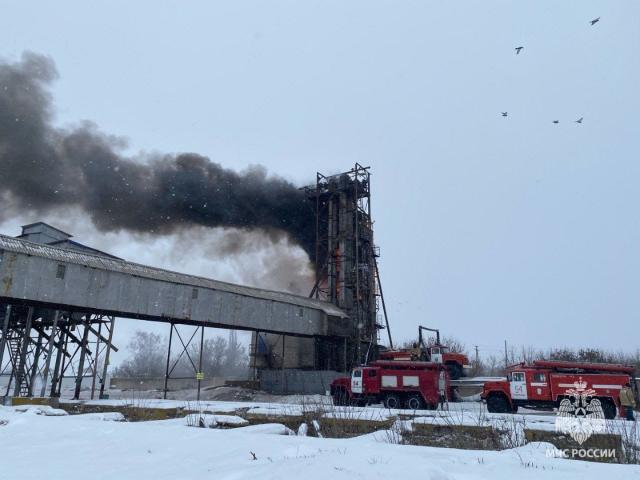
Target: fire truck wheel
point(414, 402)
point(340, 398)
point(608, 408)
point(392, 401)
point(498, 404)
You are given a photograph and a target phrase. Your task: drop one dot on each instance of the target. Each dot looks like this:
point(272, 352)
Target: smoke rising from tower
point(44, 168)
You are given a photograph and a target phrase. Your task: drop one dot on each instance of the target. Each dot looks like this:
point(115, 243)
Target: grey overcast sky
point(491, 228)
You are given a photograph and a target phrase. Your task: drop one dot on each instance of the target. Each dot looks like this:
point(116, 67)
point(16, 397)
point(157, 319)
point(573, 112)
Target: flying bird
point(594, 21)
point(518, 50)
point(579, 120)
point(556, 121)
point(504, 114)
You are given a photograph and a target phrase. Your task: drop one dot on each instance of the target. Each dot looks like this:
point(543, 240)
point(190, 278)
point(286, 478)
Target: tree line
point(147, 358)
point(494, 364)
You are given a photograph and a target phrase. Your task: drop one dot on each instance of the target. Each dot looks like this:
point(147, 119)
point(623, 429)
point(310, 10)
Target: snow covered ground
point(43, 443)
point(462, 413)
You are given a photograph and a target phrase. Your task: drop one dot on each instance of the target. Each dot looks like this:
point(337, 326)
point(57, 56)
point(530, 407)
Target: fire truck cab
point(543, 384)
point(397, 384)
point(455, 362)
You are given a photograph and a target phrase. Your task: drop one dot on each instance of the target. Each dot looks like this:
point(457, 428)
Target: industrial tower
point(346, 256)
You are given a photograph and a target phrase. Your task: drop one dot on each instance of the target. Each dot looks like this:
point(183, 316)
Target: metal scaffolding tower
point(39, 348)
point(346, 257)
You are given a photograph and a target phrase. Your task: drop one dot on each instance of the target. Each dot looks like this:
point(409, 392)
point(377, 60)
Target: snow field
point(79, 447)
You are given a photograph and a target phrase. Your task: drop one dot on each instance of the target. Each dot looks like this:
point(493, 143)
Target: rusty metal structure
point(60, 303)
point(67, 280)
point(59, 300)
point(347, 276)
point(39, 348)
point(347, 272)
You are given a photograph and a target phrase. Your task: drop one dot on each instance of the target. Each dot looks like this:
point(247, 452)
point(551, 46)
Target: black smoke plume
point(44, 168)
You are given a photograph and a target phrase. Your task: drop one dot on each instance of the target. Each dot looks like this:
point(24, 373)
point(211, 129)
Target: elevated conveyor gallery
point(40, 275)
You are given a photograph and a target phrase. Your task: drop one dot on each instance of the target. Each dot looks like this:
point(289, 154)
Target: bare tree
point(220, 358)
point(146, 357)
point(562, 353)
point(236, 361)
point(493, 366)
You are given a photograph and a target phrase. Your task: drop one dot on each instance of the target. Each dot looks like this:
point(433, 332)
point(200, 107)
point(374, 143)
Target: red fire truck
point(543, 384)
point(456, 363)
point(398, 384)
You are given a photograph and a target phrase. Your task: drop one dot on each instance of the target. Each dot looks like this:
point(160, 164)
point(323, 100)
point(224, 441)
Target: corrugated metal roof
point(17, 245)
point(43, 224)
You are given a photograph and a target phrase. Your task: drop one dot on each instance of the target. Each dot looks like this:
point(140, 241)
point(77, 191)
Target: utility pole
point(477, 357)
point(506, 356)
